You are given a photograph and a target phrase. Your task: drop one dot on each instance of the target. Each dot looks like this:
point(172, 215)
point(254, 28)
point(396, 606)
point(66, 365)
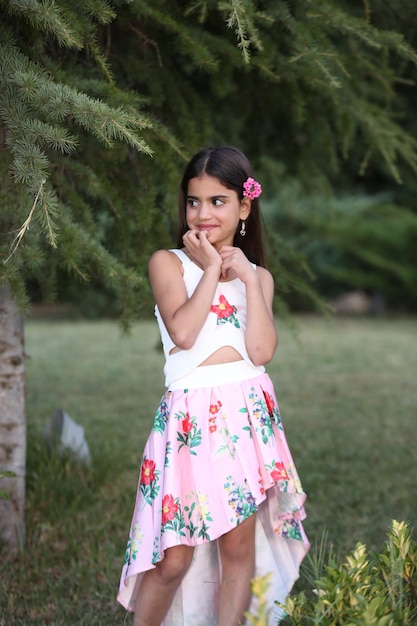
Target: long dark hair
point(231, 167)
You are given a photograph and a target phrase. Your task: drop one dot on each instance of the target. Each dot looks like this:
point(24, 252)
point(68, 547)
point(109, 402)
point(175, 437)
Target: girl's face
point(214, 208)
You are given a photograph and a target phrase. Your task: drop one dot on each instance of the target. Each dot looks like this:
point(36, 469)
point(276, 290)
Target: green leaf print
point(198, 514)
point(203, 534)
point(156, 554)
point(133, 543)
point(161, 416)
point(232, 319)
point(291, 530)
point(168, 450)
point(240, 500)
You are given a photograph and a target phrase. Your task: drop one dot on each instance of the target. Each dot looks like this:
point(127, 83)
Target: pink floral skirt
point(216, 455)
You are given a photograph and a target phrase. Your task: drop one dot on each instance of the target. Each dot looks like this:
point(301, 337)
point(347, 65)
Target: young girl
point(219, 500)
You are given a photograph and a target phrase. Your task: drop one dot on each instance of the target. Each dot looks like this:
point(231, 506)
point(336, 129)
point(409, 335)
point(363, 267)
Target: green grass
point(347, 391)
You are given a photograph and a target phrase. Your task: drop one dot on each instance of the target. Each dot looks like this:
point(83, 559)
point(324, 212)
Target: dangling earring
point(243, 229)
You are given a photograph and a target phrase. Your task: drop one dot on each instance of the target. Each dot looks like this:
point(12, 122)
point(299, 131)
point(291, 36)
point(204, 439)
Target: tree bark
point(12, 421)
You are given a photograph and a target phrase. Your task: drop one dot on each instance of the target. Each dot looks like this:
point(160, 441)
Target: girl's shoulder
point(166, 255)
point(263, 273)
point(163, 260)
point(267, 281)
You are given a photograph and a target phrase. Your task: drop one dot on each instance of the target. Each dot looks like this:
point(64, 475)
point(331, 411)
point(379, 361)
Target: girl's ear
point(245, 207)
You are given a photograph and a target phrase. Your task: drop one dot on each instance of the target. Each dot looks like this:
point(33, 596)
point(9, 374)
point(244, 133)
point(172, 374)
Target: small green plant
point(259, 587)
point(367, 589)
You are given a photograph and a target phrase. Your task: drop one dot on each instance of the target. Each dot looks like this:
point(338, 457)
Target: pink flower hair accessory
point(251, 189)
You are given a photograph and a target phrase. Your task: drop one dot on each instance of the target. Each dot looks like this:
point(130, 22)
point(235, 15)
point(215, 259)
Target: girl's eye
point(218, 202)
point(191, 202)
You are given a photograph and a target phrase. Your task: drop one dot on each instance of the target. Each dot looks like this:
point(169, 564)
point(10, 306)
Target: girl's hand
point(235, 260)
point(200, 250)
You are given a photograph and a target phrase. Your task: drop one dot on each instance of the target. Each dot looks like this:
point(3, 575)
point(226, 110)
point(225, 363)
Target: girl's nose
point(204, 211)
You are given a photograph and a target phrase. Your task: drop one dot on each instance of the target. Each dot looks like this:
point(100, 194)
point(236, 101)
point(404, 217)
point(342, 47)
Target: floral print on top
point(225, 312)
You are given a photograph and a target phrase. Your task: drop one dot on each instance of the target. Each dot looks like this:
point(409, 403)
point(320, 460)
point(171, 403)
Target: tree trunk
point(12, 421)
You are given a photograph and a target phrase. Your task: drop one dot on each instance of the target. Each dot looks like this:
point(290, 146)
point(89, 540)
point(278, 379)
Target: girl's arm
point(184, 317)
point(261, 336)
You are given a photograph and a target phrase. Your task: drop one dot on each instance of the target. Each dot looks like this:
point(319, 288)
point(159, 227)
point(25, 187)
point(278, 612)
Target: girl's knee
point(239, 543)
point(175, 564)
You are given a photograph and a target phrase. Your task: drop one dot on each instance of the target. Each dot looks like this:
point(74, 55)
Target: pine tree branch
point(46, 16)
point(237, 20)
point(241, 14)
point(101, 10)
point(25, 225)
point(190, 37)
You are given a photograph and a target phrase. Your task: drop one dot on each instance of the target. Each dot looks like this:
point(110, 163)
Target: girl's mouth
point(206, 227)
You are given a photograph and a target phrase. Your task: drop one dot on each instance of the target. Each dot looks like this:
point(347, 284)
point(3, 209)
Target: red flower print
point(279, 473)
point(270, 404)
point(261, 482)
point(187, 424)
point(223, 309)
point(169, 508)
point(214, 409)
point(148, 472)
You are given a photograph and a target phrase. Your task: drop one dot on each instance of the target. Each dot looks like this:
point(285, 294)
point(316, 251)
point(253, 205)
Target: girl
point(219, 500)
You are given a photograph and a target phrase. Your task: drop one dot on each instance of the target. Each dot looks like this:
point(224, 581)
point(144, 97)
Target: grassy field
point(348, 396)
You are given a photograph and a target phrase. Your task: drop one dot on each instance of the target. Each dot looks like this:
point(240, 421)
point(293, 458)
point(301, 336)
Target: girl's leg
point(159, 585)
point(237, 553)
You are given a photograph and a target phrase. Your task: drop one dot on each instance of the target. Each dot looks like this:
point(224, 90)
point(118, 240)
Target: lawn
point(348, 396)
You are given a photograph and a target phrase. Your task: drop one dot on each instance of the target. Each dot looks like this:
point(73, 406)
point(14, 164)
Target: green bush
point(367, 589)
point(351, 242)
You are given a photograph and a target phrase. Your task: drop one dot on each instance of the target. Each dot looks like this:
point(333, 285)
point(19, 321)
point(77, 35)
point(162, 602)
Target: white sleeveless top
point(225, 325)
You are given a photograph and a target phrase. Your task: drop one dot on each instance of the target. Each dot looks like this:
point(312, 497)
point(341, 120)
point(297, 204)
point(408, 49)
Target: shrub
point(367, 589)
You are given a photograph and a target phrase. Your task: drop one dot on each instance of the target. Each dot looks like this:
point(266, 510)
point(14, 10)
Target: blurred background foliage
point(102, 103)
